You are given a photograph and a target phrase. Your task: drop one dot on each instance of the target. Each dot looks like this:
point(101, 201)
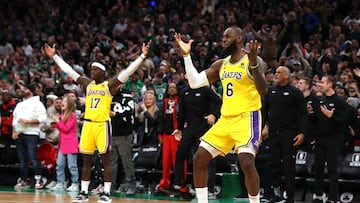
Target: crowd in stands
point(311, 38)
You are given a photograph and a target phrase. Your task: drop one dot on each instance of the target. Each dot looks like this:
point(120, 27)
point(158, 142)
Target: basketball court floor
point(28, 195)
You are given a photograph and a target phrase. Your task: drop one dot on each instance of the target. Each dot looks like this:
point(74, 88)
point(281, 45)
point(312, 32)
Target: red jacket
point(6, 111)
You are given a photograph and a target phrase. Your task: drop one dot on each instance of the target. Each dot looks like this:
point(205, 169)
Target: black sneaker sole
point(159, 193)
point(169, 192)
point(186, 198)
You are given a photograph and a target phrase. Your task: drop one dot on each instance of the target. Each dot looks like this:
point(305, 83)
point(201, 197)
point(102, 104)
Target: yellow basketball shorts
point(95, 135)
point(237, 131)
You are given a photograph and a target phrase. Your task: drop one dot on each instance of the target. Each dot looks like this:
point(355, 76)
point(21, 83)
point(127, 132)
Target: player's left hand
point(252, 51)
point(146, 47)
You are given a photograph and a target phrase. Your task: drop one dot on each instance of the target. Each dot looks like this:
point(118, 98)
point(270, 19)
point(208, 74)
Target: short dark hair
point(331, 79)
point(346, 91)
point(31, 87)
point(307, 80)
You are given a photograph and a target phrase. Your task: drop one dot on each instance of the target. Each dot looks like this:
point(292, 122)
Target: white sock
point(107, 186)
point(85, 186)
point(202, 195)
point(37, 178)
point(254, 199)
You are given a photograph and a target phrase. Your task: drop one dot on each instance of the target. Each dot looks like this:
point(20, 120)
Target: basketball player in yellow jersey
point(243, 81)
point(96, 131)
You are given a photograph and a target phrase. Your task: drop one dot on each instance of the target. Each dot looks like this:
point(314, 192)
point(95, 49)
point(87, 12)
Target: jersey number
point(94, 103)
point(160, 97)
point(229, 90)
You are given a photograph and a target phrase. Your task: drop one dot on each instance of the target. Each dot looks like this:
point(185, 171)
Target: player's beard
point(229, 50)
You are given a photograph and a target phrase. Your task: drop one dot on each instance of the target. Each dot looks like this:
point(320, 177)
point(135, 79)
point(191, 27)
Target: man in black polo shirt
point(284, 110)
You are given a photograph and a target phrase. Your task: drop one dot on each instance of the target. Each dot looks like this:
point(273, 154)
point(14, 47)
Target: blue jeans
point(72, 165)
point(26, 147)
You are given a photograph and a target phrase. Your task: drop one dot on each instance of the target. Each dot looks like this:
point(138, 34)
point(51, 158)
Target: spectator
point(148, 117)
point(123, 126)
point(136, 86)
point(168, 123)
point(311, 22)
point(199, 110)
point(51, 134)
point(353, 89)
point(69, 85)
point(159, 87)
point(270, 45)
point(54, 108)
point(28, 115)
point(28, 50)
point(68, 145)
point(6, 111)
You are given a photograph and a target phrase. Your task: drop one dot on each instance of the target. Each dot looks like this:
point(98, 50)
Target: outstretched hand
point(252, 52)
point(49, 51)
point(184, 47)
point(146, 47)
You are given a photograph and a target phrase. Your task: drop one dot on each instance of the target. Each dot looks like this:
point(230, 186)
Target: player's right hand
point(146, 47)
point(184, 47)
point(49, 51)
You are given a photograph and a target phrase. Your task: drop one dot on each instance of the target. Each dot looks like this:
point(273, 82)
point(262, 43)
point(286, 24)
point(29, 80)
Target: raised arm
point(257, 67)
point(196, 79)
point(51, 52)
point(123, 76)
point(257, 35)
point(307, 67)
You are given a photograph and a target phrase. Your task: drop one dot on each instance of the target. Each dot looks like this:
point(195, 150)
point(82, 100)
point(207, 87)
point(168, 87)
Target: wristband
point(253, 67)
point(142, 56)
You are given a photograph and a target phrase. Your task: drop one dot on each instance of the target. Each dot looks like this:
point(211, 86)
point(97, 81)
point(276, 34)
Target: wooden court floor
point(12, 197)
point(38, 197)
point(9, 195)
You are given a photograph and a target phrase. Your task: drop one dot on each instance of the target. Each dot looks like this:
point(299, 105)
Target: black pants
point(327, 150)
point(283, 160)
point(262, 163)
point(187, 147)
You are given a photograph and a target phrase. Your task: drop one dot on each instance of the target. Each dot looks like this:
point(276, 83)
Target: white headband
point(99, 65)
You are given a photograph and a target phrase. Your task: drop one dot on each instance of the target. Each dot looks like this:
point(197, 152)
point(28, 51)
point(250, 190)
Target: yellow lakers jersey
point(98, 102)
point(239, 91)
